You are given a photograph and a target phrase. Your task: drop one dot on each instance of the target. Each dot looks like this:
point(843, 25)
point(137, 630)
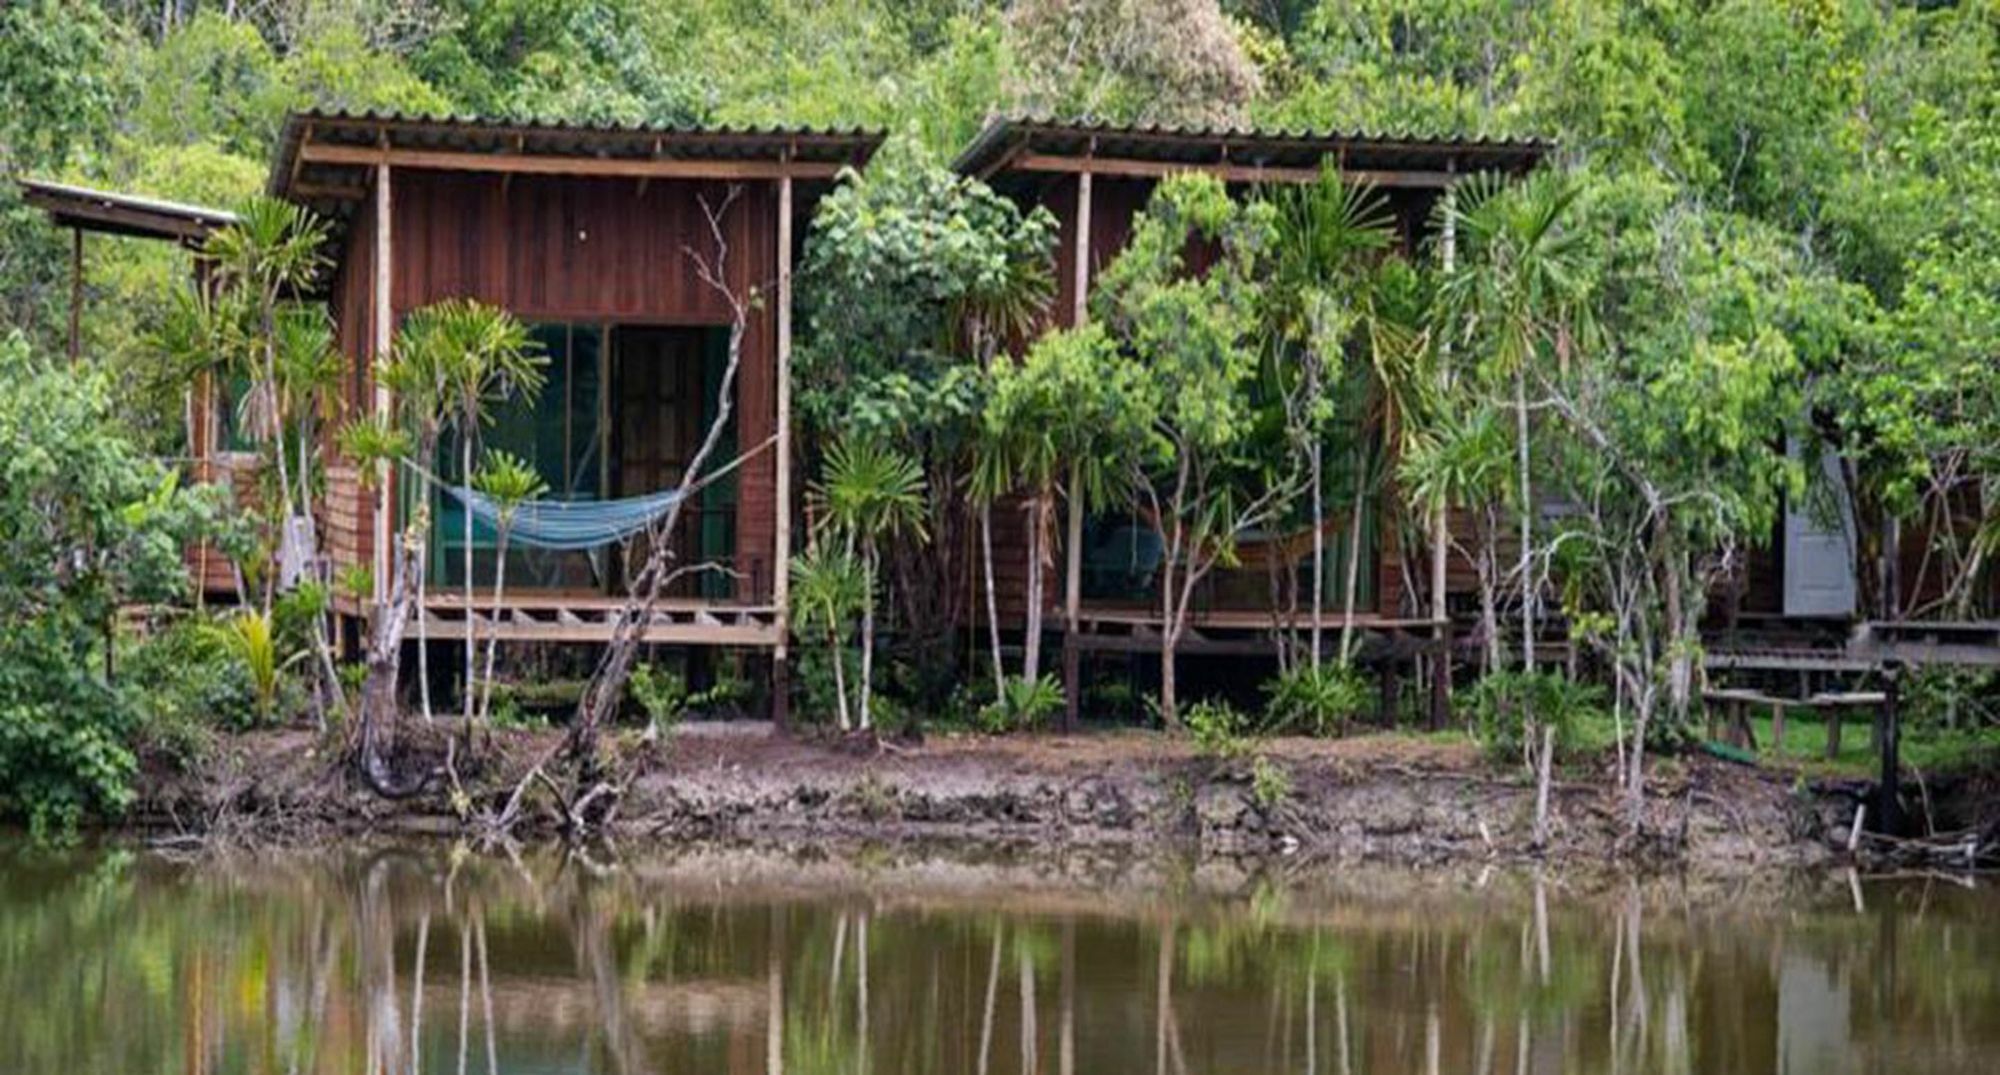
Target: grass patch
point(1923, 748)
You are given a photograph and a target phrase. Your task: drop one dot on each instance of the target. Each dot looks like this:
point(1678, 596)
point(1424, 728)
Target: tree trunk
point(1680, 659)
point(1170, 714)
point(1073, 598)
point(471, 620)
point(427, 452)
point(493, 640)
point(1635, 760)
point(1353, 565)
point(1545, 761)
point(1316, 456)
point(1031, 641)
point(992, 602)
point(1527, 522)
point(839, 675)
point(868, 636)
point(1489, 605)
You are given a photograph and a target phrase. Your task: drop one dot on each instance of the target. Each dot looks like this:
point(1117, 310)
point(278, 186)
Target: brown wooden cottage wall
point(571, 249)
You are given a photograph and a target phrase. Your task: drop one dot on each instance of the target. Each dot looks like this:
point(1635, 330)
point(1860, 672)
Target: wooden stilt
point(76, 295)
point(1073, 537)
point(781, 581)
point(1889, 721)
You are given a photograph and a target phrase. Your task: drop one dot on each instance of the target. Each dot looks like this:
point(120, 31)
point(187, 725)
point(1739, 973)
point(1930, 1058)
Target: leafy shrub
point(1314, 701)
point(88, 523)
point(1023, 704)
point(1218, 728)
point(1270, 784)
point(250, 638)
point(186, 683)
point(662, 693)
point(1501, 705)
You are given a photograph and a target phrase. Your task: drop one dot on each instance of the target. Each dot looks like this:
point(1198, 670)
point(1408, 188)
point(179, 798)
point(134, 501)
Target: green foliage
point(1505, 709)
point(1219, 729)
point(509, 481)
point(1315, 701)
point(663, 694)
point(87, 524)
point(252, 643)
point(1270, 784)
point(1023, 705)
point(188, 684)
point(904, 266)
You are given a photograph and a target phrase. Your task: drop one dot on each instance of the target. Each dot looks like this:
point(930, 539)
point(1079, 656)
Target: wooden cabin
point(207, 453)
point(1095, 179)
point(590, 235)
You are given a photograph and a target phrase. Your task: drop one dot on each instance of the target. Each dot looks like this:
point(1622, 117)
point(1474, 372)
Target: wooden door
point(657, 410)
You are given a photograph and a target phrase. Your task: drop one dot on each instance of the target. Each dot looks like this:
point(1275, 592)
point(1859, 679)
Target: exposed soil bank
point(1372, 798)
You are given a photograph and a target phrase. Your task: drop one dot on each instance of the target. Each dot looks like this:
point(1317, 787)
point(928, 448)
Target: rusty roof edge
point(847, 143)
point(999, 132)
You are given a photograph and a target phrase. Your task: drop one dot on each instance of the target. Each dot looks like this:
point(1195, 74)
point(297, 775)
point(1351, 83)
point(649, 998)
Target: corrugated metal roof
point(1005, 136)
point(118, 213)
point(554, 138)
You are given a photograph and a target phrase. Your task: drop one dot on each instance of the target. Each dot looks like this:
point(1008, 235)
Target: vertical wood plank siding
point(584, 250)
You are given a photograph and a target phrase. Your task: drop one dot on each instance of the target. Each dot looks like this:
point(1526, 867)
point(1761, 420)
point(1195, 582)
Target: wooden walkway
point(540, 616)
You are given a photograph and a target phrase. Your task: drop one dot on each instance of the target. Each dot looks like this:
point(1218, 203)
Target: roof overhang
point(112, 213)
point(1013, 145)
point(325, 159)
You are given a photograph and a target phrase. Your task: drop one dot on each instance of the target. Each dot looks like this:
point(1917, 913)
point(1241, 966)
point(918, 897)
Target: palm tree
point(271, 251)
point(508, 482)
point(486, 358)
point(870, 491)
point(999, 306)
point(1332, 234)
point(1515, 293)
point(827, 590)
point(988, 482)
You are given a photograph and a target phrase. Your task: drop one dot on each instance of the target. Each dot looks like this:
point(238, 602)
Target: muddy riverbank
point(1387, 799)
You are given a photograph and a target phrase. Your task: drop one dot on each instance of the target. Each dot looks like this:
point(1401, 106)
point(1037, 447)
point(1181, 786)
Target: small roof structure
point(112, 213)
point(324, 158)
point(1033, 144)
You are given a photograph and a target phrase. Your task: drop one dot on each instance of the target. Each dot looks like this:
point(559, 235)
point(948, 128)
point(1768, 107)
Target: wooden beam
point(1228, 173)
point(384, 315)
point(1079, 305)
point(75, 294)
point(781, 583)
point(335, 192)
point(527, 164)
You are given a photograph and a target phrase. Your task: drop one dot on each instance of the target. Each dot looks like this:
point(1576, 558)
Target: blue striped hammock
point(569, 525)
point(579, 525)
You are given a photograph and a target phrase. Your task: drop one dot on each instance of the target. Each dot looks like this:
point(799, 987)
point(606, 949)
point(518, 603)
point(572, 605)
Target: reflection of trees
point(308, 965)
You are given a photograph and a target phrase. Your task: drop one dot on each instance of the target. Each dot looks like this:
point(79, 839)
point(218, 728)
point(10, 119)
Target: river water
point(443, 961)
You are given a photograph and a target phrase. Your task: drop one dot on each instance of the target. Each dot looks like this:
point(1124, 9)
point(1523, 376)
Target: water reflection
point(400, 961)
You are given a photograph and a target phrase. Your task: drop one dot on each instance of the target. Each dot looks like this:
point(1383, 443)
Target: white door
point(1819, 546)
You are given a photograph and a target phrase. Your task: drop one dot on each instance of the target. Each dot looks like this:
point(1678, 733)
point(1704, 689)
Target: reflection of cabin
point(588, 234)
point(1095, 179)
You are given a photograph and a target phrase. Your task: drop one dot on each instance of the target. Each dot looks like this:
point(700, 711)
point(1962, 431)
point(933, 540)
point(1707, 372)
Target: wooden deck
point(1242, 632)
point(541, 616)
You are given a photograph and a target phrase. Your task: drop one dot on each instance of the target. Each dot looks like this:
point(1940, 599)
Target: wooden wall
point(575, 249)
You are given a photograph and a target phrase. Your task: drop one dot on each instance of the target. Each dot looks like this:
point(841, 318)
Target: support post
point(781, 582)
point(384, 315)
point(1889, 729)
point(75, 295)
point(1440, 714)
point(1073, 537)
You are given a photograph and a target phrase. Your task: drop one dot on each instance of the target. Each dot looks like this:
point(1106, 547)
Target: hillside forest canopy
point(1768, 234)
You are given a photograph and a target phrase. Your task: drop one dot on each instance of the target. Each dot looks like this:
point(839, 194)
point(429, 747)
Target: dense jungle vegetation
point(1767, 222)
